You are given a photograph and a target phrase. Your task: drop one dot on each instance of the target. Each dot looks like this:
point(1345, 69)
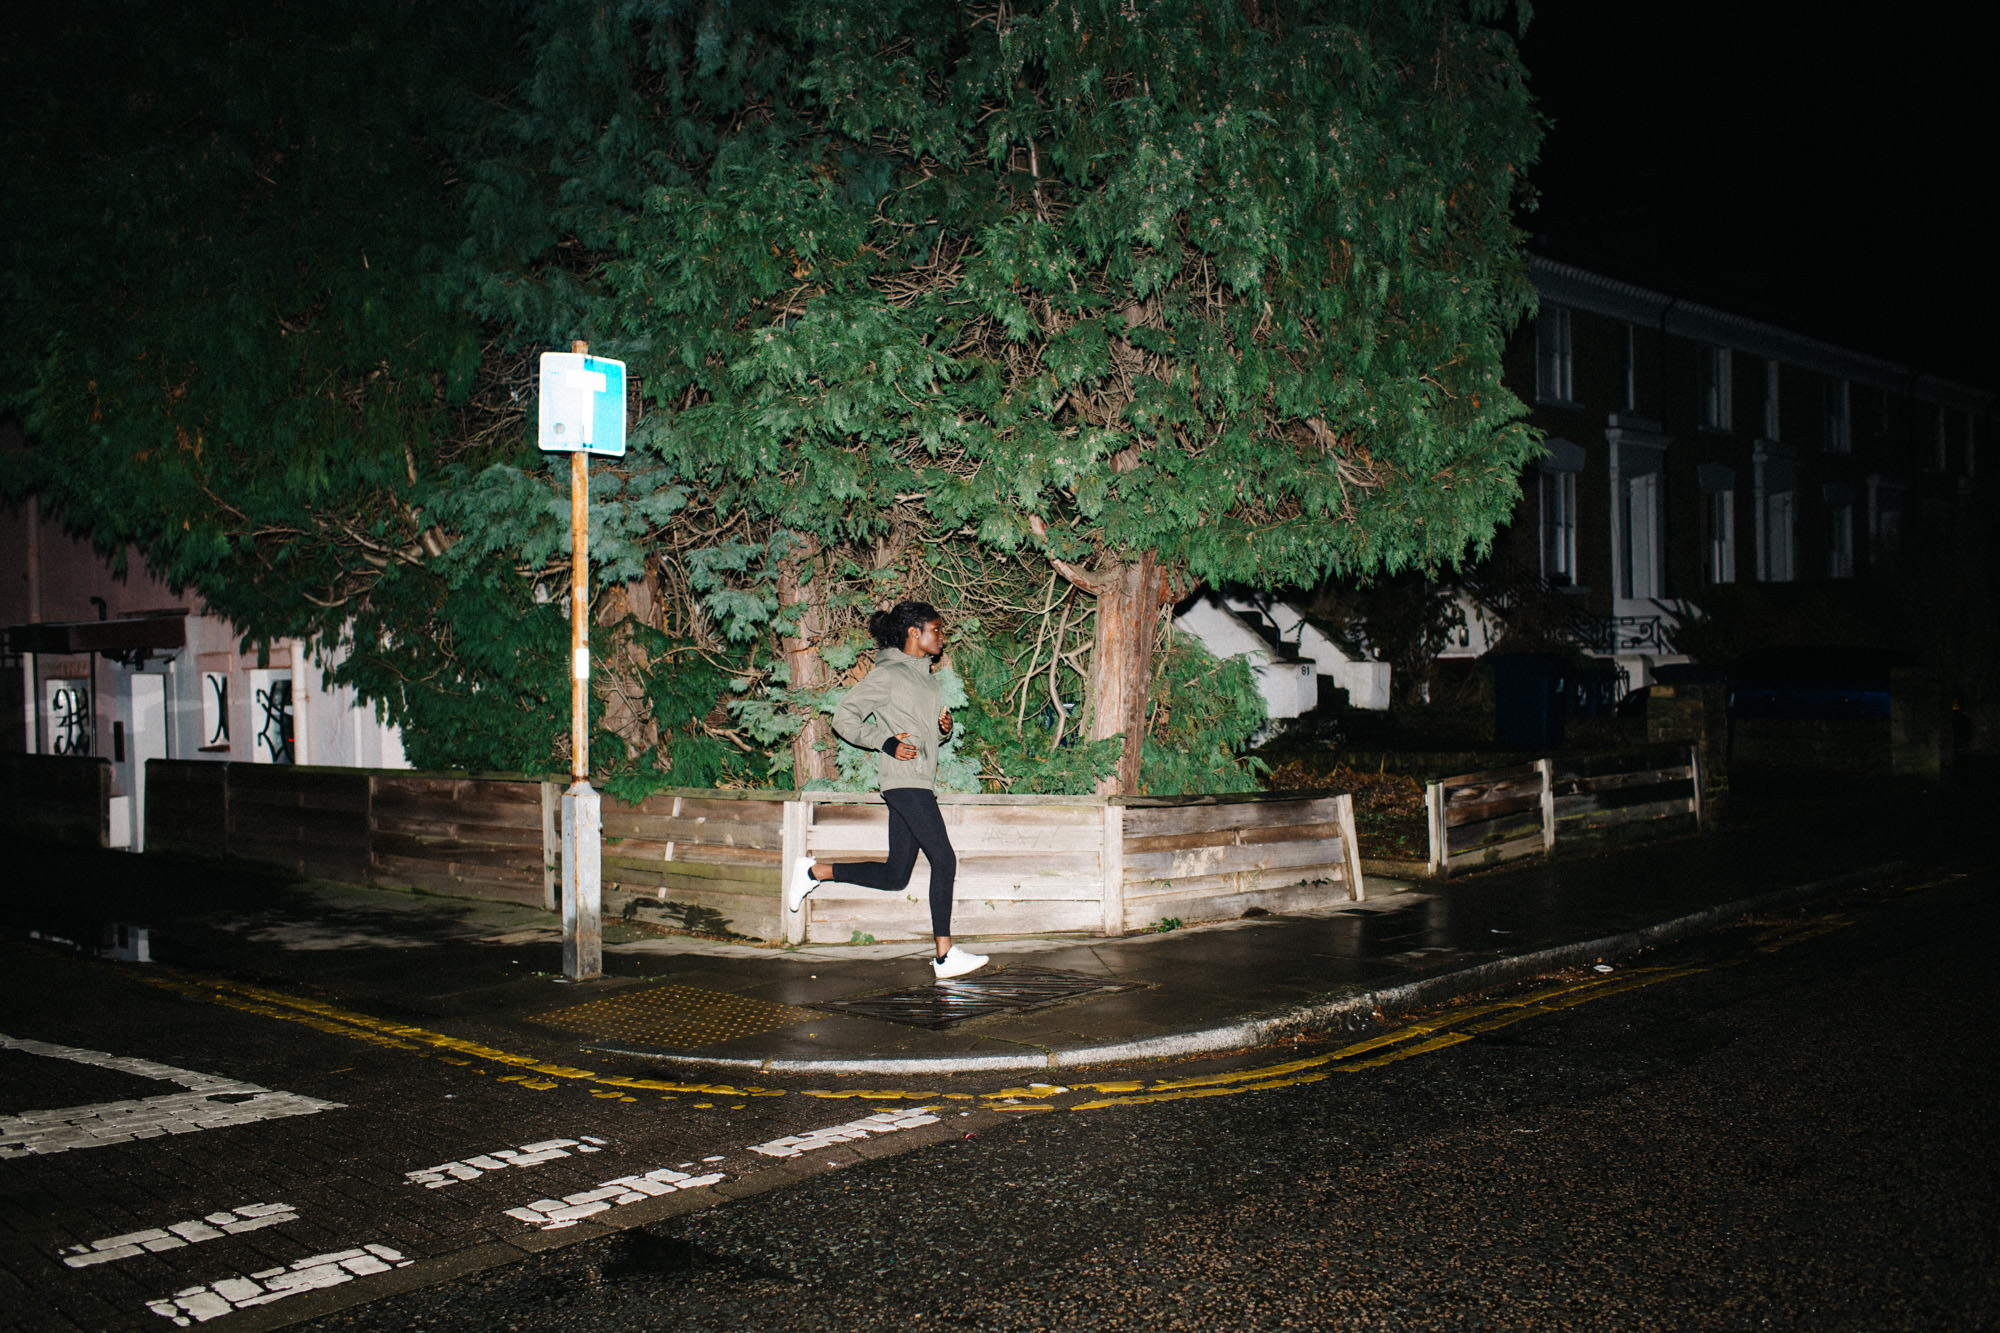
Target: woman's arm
point(852, 715)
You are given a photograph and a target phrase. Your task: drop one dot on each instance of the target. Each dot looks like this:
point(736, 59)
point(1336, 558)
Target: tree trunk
point(800, 584)
point(621, 683)
point(1129, 596)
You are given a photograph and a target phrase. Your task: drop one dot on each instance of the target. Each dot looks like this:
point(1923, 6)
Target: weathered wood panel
point(716, 860)
point(474, 837)
point(187, 807)
point(1479, 819)
point(1498, 853)
point(1223, 859)
point(892, 916)
point(1202, 901)
point(1486, 819)
point(1245, 837)
point(1153, 821)
point(61, 798)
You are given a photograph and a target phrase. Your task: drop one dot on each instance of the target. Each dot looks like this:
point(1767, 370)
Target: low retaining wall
point(62, 798)
point(714, 861)
point(1032, 865)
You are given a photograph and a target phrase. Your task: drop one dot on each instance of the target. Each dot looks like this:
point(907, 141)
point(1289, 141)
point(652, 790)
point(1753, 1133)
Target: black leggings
point(914, 822)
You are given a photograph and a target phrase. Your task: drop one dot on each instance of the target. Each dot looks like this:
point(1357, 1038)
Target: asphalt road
point(1780, 1125)
point(1787, 1125)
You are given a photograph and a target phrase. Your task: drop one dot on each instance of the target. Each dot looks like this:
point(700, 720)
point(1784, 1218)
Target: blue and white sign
point(583, 405)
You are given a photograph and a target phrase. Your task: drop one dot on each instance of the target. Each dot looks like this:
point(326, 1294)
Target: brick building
point(1689, 449)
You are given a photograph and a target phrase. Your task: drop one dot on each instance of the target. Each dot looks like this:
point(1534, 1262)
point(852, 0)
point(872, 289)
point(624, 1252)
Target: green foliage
point(1206, 714)
point(922, 299)
point(1224, 285)
point(226, 326)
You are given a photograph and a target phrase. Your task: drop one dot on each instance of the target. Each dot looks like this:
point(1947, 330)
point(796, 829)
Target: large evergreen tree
point(1163, 292)
point(1051, 312)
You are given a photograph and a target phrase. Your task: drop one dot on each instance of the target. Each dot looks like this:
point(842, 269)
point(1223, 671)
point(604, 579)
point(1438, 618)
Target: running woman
point(892, 707)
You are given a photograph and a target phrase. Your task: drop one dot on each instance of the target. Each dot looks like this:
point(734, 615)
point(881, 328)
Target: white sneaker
point(956, 963)
point(801, 884)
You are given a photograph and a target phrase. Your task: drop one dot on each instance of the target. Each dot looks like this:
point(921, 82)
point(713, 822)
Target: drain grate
point(1010, 990)
point(675, 1016)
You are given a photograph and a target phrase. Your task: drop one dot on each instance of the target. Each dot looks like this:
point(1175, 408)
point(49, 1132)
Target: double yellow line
point(1419, 1038)
point(522, 1070)
point(1446, 1030)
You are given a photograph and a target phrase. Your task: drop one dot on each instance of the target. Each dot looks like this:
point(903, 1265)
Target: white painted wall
point(1289, 688)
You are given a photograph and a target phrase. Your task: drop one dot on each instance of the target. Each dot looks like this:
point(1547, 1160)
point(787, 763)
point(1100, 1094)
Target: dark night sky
point(1821, 166)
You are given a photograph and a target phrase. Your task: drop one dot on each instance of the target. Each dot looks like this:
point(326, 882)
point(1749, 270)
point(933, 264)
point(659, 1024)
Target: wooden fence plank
point(1247, 837)
point(1220, 860)
point(1474, 812)
point(1494, 831)
point(1499, 852)
point(1146, 822)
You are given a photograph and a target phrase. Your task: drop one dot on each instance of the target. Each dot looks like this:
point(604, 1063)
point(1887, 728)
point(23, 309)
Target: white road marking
point(885, 1122)
point(554, 1214)
point(528, 1154)
point(215, 1226)
point(212, 1102)
point(198, 1305)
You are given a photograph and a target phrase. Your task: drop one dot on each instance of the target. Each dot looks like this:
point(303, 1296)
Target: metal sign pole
point(582, 815)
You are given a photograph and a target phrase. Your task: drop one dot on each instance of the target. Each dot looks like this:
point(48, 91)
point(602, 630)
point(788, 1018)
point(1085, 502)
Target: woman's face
point(926, 640)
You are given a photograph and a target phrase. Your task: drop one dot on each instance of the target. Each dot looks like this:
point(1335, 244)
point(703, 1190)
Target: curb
point(1254, 1032)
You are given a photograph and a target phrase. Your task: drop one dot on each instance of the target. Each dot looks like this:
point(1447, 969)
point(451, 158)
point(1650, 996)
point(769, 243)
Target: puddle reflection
point(115, 940)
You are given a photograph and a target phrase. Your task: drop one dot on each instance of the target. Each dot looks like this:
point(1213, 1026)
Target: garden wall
point(62, 798)
point(714, 861)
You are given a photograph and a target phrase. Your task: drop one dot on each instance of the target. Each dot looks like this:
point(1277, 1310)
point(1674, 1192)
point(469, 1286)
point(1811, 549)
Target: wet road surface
point(1786, 1125)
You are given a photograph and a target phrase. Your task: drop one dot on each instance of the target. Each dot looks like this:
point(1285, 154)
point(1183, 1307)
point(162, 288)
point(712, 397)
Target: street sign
point(583, 405)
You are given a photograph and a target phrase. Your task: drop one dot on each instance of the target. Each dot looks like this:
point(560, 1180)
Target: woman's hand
point(905, 751)
point(944, 724)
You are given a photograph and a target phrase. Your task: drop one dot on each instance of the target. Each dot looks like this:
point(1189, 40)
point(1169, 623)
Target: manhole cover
point(1009, 990)
point(674, 1016)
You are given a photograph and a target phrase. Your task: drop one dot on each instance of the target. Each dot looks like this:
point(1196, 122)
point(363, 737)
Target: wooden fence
point(714, 861)
point(1485, 819)
point(63, 798)
point(1084, 864)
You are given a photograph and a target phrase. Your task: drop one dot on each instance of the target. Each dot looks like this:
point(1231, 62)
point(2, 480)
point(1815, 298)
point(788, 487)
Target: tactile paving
point(674, 1016)
point(1009, 990)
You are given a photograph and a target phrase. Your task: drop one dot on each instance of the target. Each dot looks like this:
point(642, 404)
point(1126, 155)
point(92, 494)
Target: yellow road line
point(1784, 937)
point(339, 1022)
point(1435, 1034)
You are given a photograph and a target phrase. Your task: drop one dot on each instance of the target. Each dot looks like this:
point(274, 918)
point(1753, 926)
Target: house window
point(1885, 521)
point(271, 716)
point(1718, 522)
point(1560, 463)
point(1839, 417)
point(1717, 408)
point(1553, 362)
point(67, 717)
point(1839, 532)
point(1771, 400)
point(1631, 370)
point(214, 710)
point(1778, 538)
point(1640, 512)
point(1775, 491)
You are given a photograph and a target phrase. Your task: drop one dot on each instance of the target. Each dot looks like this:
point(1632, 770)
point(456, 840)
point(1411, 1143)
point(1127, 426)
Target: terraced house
point(1696, 458)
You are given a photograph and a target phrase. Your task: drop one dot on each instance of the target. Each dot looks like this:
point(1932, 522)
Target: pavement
point(1042, 1004)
